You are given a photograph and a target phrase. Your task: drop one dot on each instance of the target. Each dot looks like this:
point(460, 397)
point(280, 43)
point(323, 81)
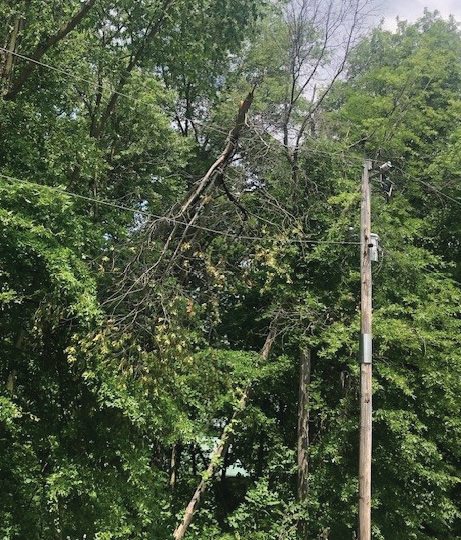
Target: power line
point(78, 196)
point(169, 219)
point(125, 208)
point(100, 86)
point(137, 100)
point(142, 102)
point(341, 154)
point(60, 70)
point(430, 186)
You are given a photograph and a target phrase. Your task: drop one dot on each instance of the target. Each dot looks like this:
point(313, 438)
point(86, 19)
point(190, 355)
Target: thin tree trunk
point(303, 435)
point(216, 458)
point(44, 47)
point(9, 56)
point(173, 466)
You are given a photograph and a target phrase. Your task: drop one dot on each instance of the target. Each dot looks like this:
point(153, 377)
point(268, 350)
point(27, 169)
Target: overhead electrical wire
point(429, 185)
point(353, 157)
point(344, 154)
point(170, 219)
point(100, 86)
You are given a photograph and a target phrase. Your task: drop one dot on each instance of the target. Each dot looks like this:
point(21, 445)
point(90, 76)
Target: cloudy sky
point(413, 9)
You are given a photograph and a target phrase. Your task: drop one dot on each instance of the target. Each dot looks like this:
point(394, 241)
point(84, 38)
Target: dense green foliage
point(131, 320)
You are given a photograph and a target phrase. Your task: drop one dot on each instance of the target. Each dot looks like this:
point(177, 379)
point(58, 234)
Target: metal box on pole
point(374, 247)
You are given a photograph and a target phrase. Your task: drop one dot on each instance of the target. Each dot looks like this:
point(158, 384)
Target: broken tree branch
point(221, 163)
point(191, 209)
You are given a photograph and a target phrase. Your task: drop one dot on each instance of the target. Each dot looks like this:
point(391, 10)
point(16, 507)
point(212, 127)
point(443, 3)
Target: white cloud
point(411, 10)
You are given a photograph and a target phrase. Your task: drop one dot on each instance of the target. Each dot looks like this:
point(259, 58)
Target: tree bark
point(8, 57)
point(226, 436)
point(303, 435)
point(173, 466)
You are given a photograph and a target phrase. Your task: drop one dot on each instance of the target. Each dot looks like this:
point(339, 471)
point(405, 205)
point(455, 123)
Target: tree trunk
point(218, 454)
point(8, 58)
point(213, 466)
point(303, 435)
point(173, 466)
point(45, 46)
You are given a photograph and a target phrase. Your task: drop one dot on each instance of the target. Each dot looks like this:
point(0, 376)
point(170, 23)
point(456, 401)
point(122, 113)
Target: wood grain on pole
point(365, 364)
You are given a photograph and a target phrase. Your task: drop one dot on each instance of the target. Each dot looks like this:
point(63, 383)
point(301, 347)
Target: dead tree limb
point(221, 163)
point(184, 220)
point(215, 461)
point(216, 171)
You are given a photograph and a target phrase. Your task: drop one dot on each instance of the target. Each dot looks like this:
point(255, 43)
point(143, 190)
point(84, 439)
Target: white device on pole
point(375, 247)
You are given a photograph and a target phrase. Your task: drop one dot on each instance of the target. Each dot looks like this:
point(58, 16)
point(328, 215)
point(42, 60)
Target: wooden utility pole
point(365, 361)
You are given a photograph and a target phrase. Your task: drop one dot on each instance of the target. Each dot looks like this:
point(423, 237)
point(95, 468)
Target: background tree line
point(179, 187)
